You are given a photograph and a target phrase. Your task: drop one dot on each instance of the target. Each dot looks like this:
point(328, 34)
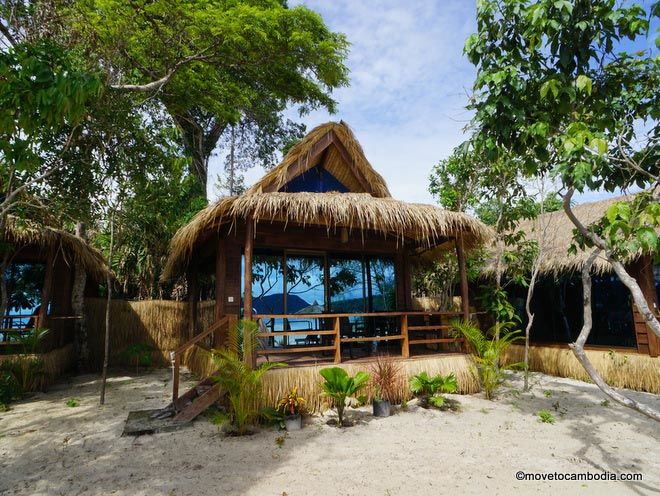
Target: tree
point(211, 64)
point(556, 89)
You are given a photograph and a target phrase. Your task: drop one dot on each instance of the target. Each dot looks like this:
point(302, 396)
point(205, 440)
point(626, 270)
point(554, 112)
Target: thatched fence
point(161, 324)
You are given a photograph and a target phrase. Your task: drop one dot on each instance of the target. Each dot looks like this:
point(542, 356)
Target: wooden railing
point(212, 333)
point(329, 328)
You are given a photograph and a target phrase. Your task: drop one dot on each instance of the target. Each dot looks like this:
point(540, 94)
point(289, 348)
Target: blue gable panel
point(315, 180)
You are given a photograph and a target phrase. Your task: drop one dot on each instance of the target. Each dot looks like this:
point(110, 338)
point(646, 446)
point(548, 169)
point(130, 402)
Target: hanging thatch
point(22, 233)
point(423, 224)
point(554, 232)
point(333, 162)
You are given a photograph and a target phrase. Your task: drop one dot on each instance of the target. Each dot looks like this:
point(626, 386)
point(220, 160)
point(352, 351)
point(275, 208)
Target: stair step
point(201, 403)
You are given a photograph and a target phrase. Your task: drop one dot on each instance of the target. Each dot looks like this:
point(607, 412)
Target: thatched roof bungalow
point(558, 296)
point(43, 260)
point(321, 231)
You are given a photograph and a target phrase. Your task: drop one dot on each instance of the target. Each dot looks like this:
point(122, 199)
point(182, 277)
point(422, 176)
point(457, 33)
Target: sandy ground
point(49, 448)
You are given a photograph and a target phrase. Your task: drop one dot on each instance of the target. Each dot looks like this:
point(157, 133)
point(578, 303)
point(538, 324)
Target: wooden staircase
point(205, 393)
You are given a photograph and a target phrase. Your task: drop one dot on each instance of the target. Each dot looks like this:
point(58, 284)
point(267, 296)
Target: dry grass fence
point(279, 381)
point(161, 324)
point(54, 364)
point(622, 370)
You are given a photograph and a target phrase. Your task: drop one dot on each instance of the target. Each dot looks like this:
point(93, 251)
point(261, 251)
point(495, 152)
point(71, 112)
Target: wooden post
point(247, 296)
point(465, 302)
point(175, 379)
point(405, 343)
point(46, 290)
point(337, 340)
point(220, 290)
point(193, 296)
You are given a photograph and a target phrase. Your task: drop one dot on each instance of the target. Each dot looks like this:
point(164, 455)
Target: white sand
point(49, 448)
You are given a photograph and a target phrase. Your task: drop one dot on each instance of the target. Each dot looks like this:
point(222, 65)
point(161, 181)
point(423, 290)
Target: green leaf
point(647, 237)
point(600, 145)
point(583, 83)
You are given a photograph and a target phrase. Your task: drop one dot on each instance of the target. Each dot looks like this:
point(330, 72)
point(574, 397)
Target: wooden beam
point(46, 289)
point(249, 355)
point(465, 302)
point(405, 344)
point(220, 290)
point(193, 297)
point(346, 156)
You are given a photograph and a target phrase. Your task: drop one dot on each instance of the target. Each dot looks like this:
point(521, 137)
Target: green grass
point(545, 417)
point(72, 402)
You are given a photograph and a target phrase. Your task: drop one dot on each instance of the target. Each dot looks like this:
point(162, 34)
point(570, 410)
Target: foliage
point(10, 389)
point(292, 404)
point(429, 389)
point(386, 376)
point(238, 379)
point(141, 353)
point(272, 416)
point(339, 386)
point(72, 402)
point(30, 342)
point(217, 62)
point(545, 417)
point(488, 352)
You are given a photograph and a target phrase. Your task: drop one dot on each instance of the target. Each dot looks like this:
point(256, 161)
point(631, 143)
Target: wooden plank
point(337, 340)
point(274, 334)
point(360, 314)
point(193, 297)
point(438, 327)
point(405, 344)
point(46, 290)
point(249, 355)
point(369, 339)
point(302, 349)
point(198, 405)
point(438, 340)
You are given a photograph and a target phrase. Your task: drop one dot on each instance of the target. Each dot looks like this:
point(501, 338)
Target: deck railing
point(327, 332)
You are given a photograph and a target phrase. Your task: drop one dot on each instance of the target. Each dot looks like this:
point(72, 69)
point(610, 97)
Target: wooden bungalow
point(319, 253)
point(557, 302)
point(43, 261)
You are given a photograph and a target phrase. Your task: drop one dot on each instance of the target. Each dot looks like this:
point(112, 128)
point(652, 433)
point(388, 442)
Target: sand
point(47, 447)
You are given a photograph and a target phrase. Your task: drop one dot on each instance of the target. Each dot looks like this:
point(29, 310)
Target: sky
point(409, 86)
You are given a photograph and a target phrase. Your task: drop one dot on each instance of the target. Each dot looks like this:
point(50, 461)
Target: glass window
point(382, 290)
point(24, 282)
point(347, 291)
point(305, 291)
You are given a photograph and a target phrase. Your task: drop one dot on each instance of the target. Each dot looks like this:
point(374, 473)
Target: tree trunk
point(4, 264)
point(578, 348)
point(106, 348)
point(78, 307)
point(619, 269)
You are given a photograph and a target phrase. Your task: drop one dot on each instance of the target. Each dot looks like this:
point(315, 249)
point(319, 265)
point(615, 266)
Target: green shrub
point(545, 416)
point(339, 385)
point(429, 389)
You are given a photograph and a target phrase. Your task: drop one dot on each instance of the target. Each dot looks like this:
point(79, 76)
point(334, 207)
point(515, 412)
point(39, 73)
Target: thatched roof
point(423, 224)
point(334, 145)
point(554, 232)
point(367, 206)
point(20, 233)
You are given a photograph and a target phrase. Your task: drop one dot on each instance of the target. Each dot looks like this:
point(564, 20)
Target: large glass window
point(24, 282)
point(347, 288)
point(382, 285)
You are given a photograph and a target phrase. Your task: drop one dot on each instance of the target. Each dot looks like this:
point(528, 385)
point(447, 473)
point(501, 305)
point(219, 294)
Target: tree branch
point(578, 347)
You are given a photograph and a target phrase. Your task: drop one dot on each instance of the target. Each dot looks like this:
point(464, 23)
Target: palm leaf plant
point(240, 381)
point(339, 385)
point(430, 389)
point(488, 352)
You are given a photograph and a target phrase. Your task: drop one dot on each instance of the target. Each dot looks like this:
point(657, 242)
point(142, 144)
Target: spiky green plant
point(430, 389)
point(339, 385)
point(240, 381)
point(488, 352)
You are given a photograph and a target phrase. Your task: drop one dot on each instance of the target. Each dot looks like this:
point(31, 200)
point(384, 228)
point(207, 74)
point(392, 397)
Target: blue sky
point(409, 85)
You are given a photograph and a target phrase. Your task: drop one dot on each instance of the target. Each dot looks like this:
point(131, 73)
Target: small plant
point(605, 403)
point(292, 404)
point(72, 402)
point(547, 393)
point(140, 354)
point(241, 382)
point(430, 389)
point(488, 352)
point(339, 386)
point(279, 441)
point(385, 378)
point(404, 404)
point(545, 417)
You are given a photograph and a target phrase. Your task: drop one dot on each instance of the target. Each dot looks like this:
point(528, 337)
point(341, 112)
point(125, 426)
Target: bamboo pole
point(247, 297)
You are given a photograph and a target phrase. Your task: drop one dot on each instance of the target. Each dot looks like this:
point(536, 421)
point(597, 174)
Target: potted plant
point(385, 378)
point(292, 406)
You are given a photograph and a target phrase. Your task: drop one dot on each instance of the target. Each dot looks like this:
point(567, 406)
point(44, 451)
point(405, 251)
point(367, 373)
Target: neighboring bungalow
point(557, 301)
point(319, 253)
point(39, 278)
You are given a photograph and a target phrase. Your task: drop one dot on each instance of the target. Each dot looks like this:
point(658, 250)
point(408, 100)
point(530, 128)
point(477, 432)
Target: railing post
point(405, 344)
point(337, 340)
point(175, 378)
